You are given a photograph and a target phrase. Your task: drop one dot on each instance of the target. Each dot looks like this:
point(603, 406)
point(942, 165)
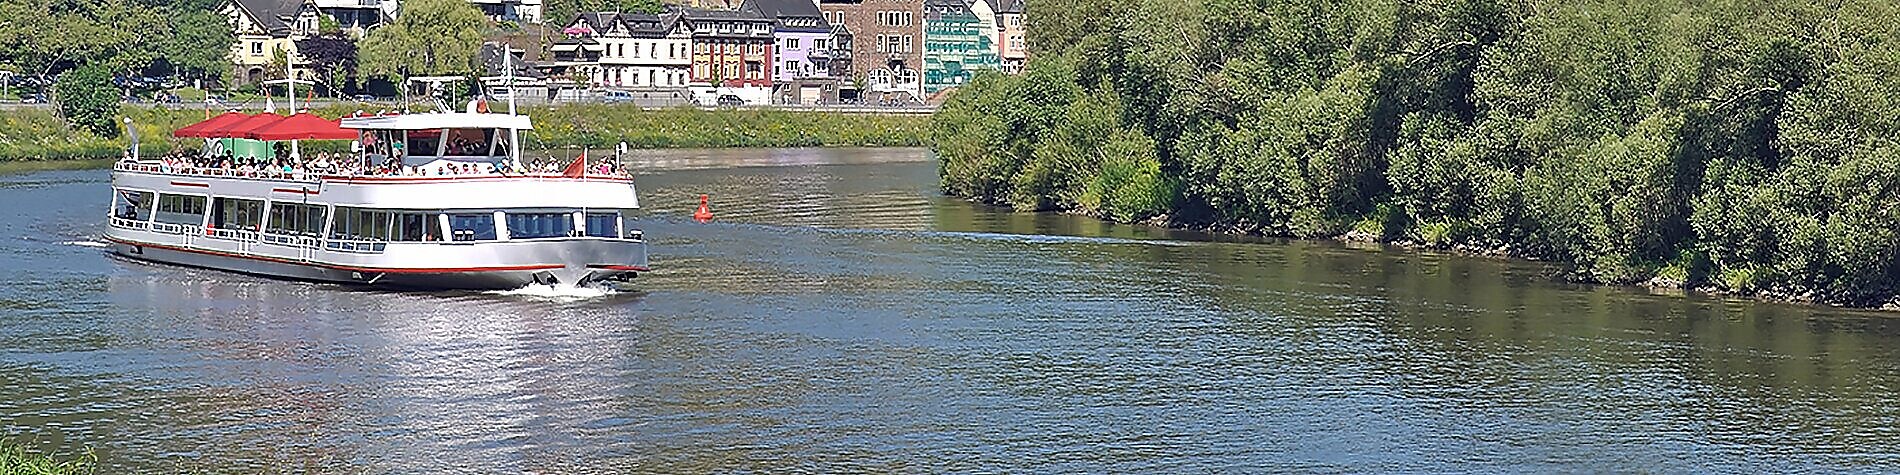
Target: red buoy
point(704, 213)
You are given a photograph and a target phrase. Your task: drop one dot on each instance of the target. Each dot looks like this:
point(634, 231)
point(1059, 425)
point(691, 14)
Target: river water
point(841, 316)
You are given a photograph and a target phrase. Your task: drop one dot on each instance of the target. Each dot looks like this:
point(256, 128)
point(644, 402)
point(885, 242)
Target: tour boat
point(435, 200)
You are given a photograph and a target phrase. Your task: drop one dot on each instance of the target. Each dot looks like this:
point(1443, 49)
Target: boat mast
point(514, 134)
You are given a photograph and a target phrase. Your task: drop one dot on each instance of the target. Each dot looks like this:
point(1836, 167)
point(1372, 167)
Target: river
point(840, 315)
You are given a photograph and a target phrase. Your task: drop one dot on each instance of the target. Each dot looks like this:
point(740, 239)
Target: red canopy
point(237, 129)
point(302, 126)
point(201, 129)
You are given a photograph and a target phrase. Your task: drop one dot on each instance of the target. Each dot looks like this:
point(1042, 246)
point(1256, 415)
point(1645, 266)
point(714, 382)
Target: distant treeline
point(1747, 146)
point(38, 134)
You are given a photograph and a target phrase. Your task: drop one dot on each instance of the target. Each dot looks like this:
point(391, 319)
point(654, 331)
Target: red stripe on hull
point(187, 183)
point(292, 191)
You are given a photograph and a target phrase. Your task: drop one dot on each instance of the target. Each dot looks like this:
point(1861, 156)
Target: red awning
point(201, 129)
point(237, 129)
point(303, 126)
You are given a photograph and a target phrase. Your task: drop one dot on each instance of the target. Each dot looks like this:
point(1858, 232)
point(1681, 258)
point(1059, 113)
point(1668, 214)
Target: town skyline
point(765, 51)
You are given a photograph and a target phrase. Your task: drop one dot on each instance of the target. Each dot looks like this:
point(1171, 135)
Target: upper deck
point(477, 190)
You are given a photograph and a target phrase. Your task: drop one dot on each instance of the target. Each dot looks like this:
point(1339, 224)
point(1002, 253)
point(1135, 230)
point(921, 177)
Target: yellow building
point(263, 29)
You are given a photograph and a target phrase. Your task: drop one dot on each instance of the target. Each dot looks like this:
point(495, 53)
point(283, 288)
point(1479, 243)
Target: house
point(263, 31)
point(1011, 35)
point(957, 42)
point(801, 35)
point(357, 17)
point(519, 11)
point(802, 72)
point(637, 49)
point(732, 49)
point(509, 76)
point(887, 43)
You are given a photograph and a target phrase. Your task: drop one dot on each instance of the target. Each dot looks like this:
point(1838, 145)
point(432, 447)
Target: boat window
point(296, 219)
point(361, 224)
point(133, 205)
point(422, 143)
point(470, 142)
point(232, 213)
point(540, 225)
point(472, 227)
point(603, 224)
point(416, 226)
point(180, 209)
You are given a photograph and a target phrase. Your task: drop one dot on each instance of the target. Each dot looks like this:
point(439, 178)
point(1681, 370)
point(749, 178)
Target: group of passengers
point(325, 163)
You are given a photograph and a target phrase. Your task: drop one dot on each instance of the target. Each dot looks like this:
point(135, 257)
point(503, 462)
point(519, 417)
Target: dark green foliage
point(88, 101)
point(1744, 145)
point(15, 460)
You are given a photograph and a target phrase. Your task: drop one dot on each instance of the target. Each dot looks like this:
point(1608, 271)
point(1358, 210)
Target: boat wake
point(96, 244)
point(564, 292)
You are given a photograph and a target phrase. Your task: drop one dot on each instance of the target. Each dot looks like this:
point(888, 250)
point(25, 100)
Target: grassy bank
point(15, 460)
point(1694, 144)
point(39, 135)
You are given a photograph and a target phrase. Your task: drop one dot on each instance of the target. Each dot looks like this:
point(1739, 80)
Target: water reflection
point(839, 316)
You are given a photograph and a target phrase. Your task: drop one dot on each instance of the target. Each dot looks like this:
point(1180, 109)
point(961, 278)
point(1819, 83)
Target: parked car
point(34, 98)
point(729, 100)
point(366, 98)
point(614, 97)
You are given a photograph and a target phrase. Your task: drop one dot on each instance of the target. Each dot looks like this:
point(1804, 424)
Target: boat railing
point(235, 234)
point(215, 172)
point(362, 247)
point(130, 223)
point(288, 240)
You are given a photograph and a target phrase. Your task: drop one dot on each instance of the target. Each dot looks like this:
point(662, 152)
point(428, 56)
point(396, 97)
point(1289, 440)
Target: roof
point(600, 21)
point(271, 14)
point(439, 120)
point(492, 63)
point(691, 14)
point(1009, 6)
point(794, 13)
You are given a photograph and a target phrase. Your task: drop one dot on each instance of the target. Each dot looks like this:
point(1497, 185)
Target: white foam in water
point(86, 243)
point(558, 292)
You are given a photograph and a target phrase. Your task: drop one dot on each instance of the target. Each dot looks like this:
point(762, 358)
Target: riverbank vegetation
point(15, 460)
point(39, 134)
point(1736, 146)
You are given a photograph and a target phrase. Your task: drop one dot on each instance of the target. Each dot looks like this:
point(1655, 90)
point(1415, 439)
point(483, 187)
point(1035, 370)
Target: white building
point(637, 50)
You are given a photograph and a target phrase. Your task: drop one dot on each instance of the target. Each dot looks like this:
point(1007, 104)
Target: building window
point(907, 44)
point(257, 48)
point(791, 67)
point(791, 43)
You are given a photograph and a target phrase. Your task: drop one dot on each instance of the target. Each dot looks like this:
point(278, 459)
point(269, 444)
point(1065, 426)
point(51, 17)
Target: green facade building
point(958, 42)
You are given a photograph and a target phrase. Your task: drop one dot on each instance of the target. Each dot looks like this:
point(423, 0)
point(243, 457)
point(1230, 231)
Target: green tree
point(87, 100)
point(200, 44)
point(562, 12)
point(432, 37)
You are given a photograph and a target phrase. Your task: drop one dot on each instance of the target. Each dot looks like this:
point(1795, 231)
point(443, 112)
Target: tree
point(88, 101)
point(331, 57)
point(432, 37)
point(200, 44)
point(563, 11)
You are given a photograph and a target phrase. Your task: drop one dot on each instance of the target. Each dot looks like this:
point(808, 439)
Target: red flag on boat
point(578, 168)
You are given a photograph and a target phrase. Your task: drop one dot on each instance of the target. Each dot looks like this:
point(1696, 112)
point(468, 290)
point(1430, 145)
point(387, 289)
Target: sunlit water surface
point(840, 315)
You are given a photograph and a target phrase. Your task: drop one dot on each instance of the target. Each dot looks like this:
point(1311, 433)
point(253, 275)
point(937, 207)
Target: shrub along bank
point(1732, 146)
point(39, 134)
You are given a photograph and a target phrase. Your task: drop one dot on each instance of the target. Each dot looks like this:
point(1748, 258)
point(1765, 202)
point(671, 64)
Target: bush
point(88, 101)
point(14, 459)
